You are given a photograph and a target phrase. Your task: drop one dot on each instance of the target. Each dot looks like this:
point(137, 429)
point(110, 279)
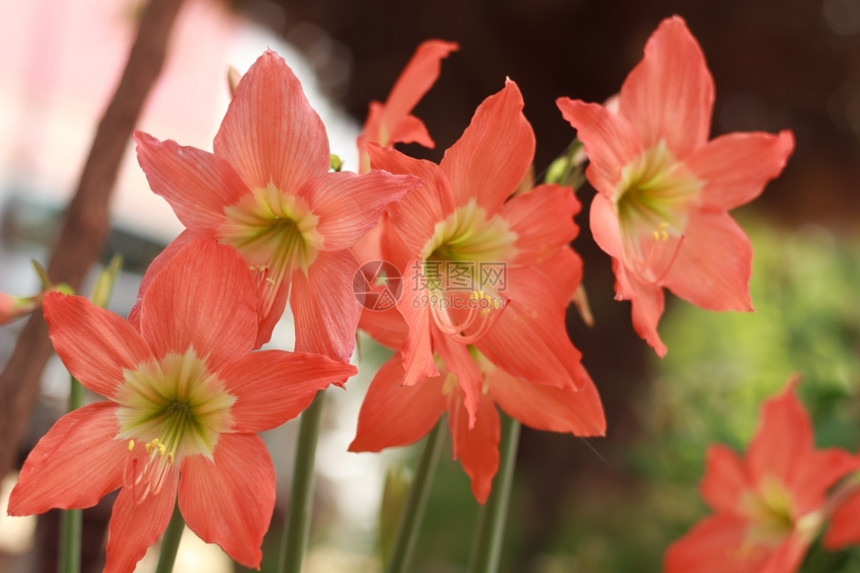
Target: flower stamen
point(275, 231)
point(168, 409)
point(653, 201)
point(483, 309)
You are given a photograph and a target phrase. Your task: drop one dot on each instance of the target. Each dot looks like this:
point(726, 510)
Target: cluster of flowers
point(269, 224)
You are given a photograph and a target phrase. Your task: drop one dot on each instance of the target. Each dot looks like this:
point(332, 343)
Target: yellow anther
point(130, 445)
point(170, 457)
point(660, 233)
point(155, 445)
point(481, 295)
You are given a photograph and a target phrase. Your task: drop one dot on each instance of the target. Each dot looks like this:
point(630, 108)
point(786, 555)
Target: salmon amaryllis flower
point(469, 251)
point(267, 191)
point(392, 122)
point(396, 415)
point(186, 397)
point(664, 190)
point(768, 506)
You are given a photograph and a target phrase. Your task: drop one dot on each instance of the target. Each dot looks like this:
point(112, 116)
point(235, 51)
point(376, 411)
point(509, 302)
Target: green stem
point(297, 531)
point(413, 513)
point(487, 550)
point(170, 542)
point(71, 521)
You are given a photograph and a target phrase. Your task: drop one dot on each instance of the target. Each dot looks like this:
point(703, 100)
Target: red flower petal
point(417, 78)
point(156, 266)
point(229, 501)
point(273, 386)
point(713, 264)
point(391, 123)
point(476, 446)
point(197, 184)
point(270, 133)
point(529, 340)
point(414, 218)
point(459, 362)
point(726, 480)
point(271, 305)
point(396, 415)
point(410, 129)
point(417, 349)
point(136, 526)
point(74, 465)
point(95, 345)
point(783, 437)
point(324, 307)
point(542, 220)
point(547, 408)
point(204, 298)
point(565, 269)
point(611, 141)
point(490, 159)
point(736, 167)
point(815, 474)
point(669, 95)
point(349, 205)
point(647, 301)
point(716, 545)
point(387, 327)
point(604, 226)
point(844, 524)
point(789, 556)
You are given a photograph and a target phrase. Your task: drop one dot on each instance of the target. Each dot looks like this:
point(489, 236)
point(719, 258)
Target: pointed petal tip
point(145, 142)
point(513, 89)
point(794, 380)
point(570, 109)
point(445, 46)
point(53, 298)
point(786, 143)
point(481, 492)
point(674, 24)
point(358, 446)
point(674, 20)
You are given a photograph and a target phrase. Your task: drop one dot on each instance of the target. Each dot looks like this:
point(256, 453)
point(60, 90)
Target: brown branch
point(86, 222)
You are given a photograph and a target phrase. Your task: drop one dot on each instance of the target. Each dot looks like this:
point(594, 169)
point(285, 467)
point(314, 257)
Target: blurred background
point(777, 64)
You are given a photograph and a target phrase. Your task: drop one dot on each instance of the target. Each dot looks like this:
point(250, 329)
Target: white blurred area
point(60, 61)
